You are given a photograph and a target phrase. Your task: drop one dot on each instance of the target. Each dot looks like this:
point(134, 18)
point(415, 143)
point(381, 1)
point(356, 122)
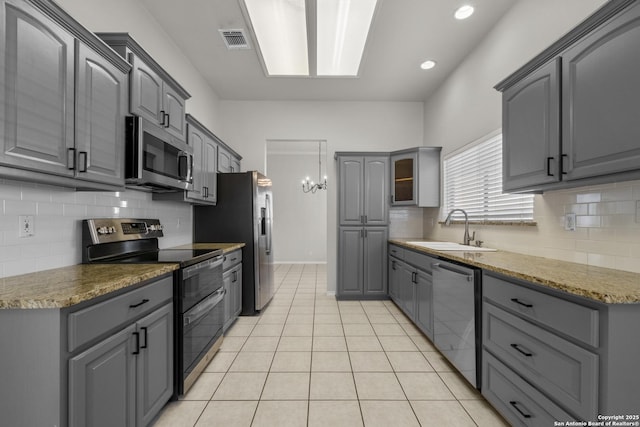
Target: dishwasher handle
point(440, 266)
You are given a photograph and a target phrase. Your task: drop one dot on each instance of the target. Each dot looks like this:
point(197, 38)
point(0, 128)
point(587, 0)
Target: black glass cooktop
point(185, 257)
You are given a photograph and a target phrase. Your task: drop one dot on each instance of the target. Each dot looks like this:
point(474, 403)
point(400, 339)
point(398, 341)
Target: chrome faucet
point(466, 238)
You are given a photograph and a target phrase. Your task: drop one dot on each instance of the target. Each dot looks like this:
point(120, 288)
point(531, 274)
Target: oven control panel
point(106, 230)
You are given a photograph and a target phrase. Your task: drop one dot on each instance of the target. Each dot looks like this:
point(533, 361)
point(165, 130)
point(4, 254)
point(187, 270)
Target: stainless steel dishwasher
point(457, 317)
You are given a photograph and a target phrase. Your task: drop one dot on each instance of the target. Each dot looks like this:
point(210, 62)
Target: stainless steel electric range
point(198, 289)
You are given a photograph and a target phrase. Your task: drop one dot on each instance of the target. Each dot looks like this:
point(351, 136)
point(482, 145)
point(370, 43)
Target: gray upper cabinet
point(101, 93)
point(205, 155)
point(569, 115)
point(154, 94)
point(228, 160)
point(531, 129)
point(38, 103)
point(62, 113)
point(364, 190)
point(156, 100)
point(601, 100)
point(415, 177)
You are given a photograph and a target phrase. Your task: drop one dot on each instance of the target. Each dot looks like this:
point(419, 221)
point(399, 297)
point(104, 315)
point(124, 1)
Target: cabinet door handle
point(515, 406)
point(564, 156)
point(549, 173)
point(235, 277)
point(83, 163)
point(144, 301)
point(393, 265)
point(524, 304)
point(164, 115)
point(362, 233)
point(366, 219)
point(365, 233)
point(168, 120)
point(144, 329)
point(137, 350)
point(414, 277)
point(71, 159)
point(517, 347)
point(391, 198)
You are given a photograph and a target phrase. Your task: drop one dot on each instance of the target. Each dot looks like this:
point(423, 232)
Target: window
point(473, 182)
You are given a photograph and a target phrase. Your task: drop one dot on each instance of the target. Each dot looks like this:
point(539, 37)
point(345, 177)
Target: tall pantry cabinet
point(363, 211)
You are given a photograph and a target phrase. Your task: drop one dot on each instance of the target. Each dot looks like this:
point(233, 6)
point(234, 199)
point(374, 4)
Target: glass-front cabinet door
point(403, 172)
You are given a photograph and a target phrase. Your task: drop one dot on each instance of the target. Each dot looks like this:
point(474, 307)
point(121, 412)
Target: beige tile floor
point(309, 360)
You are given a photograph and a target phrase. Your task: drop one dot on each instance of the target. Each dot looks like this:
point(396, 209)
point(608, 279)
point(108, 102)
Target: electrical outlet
point(26, 226)
point(570, 222)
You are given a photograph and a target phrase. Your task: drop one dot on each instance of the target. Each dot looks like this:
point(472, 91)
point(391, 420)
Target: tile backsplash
point(57, 214)
point(607, 230)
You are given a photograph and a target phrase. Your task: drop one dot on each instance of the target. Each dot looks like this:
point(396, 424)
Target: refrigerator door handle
point(268, 221)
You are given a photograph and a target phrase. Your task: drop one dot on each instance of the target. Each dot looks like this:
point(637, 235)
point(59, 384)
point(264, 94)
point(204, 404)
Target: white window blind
point(473, 182)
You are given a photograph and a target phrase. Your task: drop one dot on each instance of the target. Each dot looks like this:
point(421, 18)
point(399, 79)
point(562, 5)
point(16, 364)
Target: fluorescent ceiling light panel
point(342, 26)
point(281, 29)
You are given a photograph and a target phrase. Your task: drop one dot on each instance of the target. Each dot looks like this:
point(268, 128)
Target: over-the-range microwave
point(155, 160)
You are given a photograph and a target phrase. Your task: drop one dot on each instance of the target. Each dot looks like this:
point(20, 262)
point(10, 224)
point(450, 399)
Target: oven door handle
point(201, 310)
point(208, 264)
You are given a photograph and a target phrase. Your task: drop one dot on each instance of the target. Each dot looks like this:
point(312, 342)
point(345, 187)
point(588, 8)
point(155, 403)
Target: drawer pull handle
point(517, 301)
point(515, 405)
point(137, 350)
point(144, 301)
point(517, 347)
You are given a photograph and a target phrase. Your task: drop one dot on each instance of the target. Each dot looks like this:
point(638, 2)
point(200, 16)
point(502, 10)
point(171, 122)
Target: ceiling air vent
point(235, 39)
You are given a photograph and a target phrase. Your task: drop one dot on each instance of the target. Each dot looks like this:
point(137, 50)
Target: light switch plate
point(25, 224)
point(570, 222)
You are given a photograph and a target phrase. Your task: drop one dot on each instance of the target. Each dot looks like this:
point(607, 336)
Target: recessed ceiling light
point(427, 65)
point(464, 12)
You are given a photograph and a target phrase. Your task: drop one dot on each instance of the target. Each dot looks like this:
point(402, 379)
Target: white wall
point(346, 126)
point(467, 107)
point(299, 219)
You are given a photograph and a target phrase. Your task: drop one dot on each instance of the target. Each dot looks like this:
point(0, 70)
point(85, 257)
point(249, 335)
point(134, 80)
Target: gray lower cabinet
point(569, 114)
point(62, 115)
point(127, 378)
point(362, 262)
point(549, 355)
point(412, 286)
point(232, 282)
point(103, 362)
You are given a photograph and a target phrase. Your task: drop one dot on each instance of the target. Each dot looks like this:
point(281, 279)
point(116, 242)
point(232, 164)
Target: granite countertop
point(67, 286)
point(226, 247)
point(600, 284)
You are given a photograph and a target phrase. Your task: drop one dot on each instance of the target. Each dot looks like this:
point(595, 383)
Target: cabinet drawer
point(517, 401)
point(562, 370)
point(571, 319)
point(396, 251)
point(418, 260)
point(93, 321)
point(231, 259)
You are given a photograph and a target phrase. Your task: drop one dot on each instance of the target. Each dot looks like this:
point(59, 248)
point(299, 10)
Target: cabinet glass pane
point(403, 180)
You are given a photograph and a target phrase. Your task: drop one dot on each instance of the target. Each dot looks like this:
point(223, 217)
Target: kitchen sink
point(451, 246)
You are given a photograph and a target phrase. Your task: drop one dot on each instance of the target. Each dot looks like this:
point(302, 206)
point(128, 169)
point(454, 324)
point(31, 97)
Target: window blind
point(473, 182)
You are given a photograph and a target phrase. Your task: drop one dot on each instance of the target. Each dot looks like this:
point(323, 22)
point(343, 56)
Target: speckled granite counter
point(596, 283)
point(66, 286)
point(226, 247)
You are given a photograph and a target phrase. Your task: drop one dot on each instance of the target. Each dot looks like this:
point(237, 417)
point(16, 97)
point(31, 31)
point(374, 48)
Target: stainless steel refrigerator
point(243, 213)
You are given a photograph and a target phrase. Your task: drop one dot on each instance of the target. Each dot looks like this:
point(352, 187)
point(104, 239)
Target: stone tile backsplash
point(57, 222)
point(607, 227)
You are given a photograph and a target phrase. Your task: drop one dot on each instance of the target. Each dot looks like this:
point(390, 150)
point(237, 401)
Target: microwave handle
point(185, 163)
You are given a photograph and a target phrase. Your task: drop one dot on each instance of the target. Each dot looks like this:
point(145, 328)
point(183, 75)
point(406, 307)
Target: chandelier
point(309, 186)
